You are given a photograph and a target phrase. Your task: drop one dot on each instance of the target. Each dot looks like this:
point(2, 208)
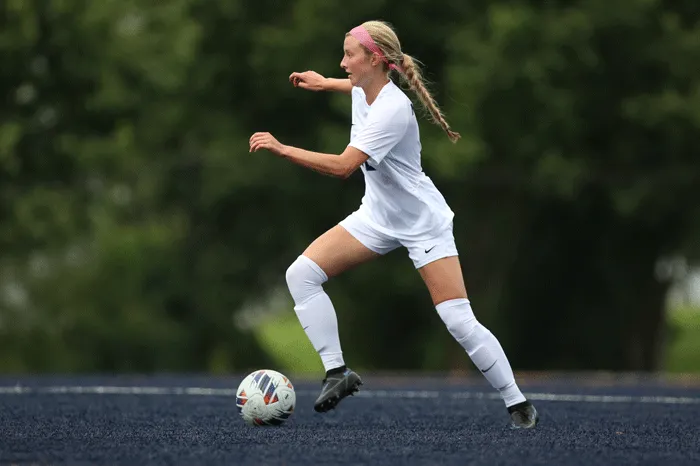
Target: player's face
point(356, 61)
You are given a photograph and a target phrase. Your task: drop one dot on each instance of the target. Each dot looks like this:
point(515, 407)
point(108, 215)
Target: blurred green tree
point(587, 116)
point(134, 223)
point(104, 268)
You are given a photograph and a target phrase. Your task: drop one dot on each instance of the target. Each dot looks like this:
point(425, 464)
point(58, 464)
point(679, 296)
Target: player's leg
point(331, 254)
point(441, 271)
point(337, 251)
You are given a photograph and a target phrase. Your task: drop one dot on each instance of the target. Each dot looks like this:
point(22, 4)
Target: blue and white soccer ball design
point(265, 398)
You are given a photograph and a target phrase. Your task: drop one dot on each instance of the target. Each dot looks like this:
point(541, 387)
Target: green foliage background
point(137, 232)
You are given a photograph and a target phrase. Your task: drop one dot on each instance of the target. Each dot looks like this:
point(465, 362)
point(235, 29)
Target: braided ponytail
point(386, 39)
point(412, 75)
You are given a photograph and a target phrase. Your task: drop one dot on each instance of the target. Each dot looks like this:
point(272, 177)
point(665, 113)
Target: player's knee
point(304, 279)
point(458, 318)
point(463, 330)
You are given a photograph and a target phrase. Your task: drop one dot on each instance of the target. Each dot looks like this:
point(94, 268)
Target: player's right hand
point(309, 80)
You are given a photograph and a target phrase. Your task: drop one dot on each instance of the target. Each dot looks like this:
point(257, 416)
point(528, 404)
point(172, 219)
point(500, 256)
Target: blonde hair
point(384, 36)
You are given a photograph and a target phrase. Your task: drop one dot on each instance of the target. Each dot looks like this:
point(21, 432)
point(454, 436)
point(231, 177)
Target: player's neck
point(373, 89)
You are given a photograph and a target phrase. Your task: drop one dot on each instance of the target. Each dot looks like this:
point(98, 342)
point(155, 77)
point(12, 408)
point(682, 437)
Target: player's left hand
point(265, 141)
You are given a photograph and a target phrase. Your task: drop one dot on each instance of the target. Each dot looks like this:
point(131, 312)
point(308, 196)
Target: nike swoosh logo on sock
point(486, 370)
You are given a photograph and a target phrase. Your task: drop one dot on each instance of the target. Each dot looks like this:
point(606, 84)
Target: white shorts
point(421, 252)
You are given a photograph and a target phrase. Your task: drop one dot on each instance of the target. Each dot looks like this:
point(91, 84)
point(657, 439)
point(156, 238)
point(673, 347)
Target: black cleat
point(523, 416)
point(335, 388)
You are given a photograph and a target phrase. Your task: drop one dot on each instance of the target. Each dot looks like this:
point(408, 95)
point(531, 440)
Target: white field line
point(400, 394)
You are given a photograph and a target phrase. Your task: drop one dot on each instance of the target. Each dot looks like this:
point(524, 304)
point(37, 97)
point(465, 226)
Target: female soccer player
point(401, 207)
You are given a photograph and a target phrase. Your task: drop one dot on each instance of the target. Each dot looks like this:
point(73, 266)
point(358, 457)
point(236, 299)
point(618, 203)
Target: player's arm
point(341, 166)
point(338, 85)
point(313, 81)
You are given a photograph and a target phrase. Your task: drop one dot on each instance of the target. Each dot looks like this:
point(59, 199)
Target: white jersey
point(400, 200)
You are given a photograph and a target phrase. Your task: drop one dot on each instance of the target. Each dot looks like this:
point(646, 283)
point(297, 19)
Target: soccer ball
point(265, 398)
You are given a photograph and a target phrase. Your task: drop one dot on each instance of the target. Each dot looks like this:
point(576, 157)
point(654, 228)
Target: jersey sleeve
point(385, 126)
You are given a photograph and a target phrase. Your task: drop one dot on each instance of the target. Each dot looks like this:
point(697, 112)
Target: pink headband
point(361, 34)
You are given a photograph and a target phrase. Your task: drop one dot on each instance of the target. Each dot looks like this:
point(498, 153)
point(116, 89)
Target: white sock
point(315, 310)
point(482, 347)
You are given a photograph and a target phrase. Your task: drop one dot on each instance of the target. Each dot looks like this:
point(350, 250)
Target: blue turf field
point(394, 421)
